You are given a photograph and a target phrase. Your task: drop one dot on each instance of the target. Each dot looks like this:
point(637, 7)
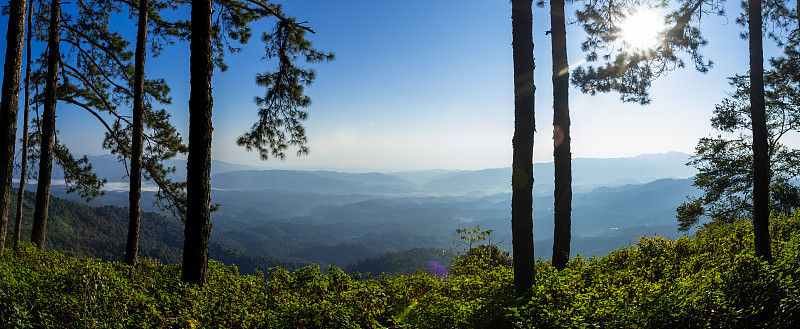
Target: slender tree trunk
point(24, 161)
point(48, 126)
point(524, 127)
point(135, 194)
point(198, 167)
point(761, 174)
point(9, 106)
point(562, 156)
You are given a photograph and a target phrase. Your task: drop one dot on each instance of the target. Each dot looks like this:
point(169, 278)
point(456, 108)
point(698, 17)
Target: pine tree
point(198, 166)
point(279, 125)
point(24, 161)
point(562, 156)
point(135, 194)
point(144, 142)
point(761, 172)
point(9, 106)
point(524, 127)
point(725, 165)
point(97, 76)
point(48, 126)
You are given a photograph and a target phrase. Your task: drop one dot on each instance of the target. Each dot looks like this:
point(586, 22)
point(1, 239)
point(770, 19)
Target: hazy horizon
point(357, 169)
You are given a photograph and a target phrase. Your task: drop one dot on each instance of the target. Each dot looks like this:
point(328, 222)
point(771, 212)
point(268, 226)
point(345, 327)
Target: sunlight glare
point(640, 30)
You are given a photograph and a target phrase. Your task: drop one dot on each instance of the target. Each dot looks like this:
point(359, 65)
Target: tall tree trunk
point(48, 126)
point(135, 194)
point(9, 106)
point(24, 160)
point(524, 127)
point(561, 151)
point(198, 166)
point(761, 174)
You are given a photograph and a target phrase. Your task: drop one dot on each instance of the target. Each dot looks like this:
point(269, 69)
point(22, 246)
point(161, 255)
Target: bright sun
point(640, 30)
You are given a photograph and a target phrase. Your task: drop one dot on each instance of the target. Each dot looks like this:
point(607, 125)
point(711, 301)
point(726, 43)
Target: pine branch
point(94, 43)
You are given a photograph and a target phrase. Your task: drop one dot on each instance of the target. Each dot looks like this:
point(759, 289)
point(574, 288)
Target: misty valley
point(328, 217)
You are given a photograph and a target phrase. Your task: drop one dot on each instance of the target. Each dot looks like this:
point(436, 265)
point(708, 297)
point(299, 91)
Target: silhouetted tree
point(137, 134)
point(9, 106)
point(562, 157)
point(755, 16)
point(24, 160)
point(48, 126)
point(524, 127)
point(198, 165)
point(761, 173)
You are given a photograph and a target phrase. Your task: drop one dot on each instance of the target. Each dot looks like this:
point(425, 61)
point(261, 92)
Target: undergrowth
point(709, 280)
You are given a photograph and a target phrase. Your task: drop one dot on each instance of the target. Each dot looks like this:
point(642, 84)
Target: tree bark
point(135, 194)
point(562, 156)
point(48, 126)
point(24, 160)
point(761, 172)
point(198, 167)
point(524, 127)
point(9, 106)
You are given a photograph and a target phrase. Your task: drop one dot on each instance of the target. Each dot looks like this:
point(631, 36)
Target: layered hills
point(304, 216)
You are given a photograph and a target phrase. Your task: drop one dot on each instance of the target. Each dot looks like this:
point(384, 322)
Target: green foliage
point(712, 279)
point(481, 258)
point(48, 289)
point(779, 20)
point(463, 239)
point(395, 263)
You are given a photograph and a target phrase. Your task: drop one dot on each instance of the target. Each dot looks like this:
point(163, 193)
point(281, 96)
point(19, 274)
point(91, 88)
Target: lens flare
point(558, 136)
point(437, 270)
point(640, 29)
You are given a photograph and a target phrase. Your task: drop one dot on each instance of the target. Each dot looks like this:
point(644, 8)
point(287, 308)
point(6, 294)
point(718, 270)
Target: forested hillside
point(100, 232)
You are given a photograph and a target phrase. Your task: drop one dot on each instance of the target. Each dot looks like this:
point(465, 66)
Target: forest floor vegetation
point(709, 280)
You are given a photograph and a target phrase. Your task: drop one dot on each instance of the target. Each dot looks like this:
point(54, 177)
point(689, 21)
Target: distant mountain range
point(588, 173)
point(335, 217)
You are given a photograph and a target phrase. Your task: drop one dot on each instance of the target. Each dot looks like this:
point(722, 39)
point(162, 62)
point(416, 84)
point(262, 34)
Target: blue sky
point(422, 84)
